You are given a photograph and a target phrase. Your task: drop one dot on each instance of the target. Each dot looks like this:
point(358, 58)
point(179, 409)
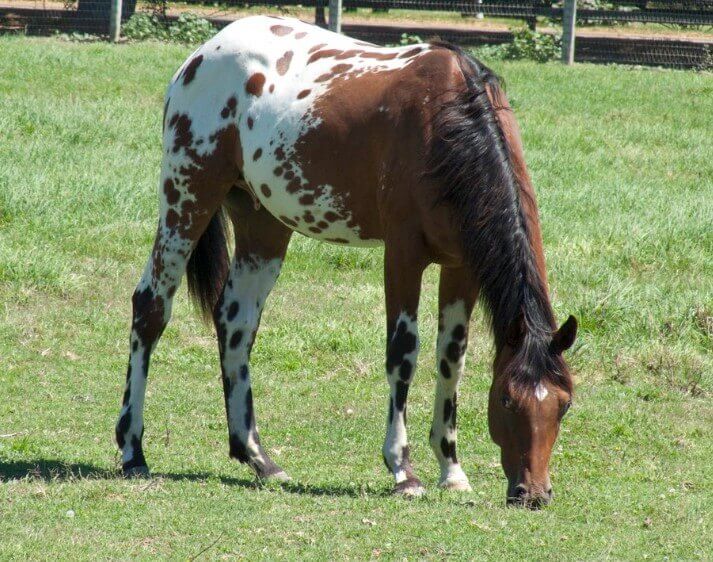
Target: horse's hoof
point(455, 485)
point(137, 472)
point(411, 488)
point(280, 476)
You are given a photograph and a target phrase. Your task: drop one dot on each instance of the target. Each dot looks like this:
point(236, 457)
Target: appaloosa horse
point(286, 127)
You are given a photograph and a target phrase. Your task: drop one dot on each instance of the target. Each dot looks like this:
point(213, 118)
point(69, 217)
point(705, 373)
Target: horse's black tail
point(208, 266)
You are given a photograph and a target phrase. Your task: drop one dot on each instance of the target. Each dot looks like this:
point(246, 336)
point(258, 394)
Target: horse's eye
point(566, 408)
point(506, 401)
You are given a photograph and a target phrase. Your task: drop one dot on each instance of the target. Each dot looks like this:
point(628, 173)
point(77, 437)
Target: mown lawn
point(623, 163)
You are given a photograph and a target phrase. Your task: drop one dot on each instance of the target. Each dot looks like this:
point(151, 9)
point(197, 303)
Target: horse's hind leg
point(457, 295)
point(260, 245)
point(189, 198)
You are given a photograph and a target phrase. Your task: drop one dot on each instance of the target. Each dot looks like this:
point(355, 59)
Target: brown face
point(524, 421)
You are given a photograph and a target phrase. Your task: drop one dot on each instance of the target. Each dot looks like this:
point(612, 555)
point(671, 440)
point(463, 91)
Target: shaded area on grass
point(54, 470)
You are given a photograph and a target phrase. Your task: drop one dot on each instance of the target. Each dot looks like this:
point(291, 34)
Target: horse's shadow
point(53, 470)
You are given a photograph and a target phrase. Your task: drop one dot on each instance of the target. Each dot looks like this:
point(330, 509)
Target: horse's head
point(531, 392)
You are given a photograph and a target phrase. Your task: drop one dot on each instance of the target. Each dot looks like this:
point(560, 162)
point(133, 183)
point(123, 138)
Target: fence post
point(569, 20)
point(319, 18)
point(115, 21)
point(335, 16)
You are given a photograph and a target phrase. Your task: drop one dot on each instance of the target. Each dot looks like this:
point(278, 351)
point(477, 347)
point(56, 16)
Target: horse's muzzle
point(521, 496)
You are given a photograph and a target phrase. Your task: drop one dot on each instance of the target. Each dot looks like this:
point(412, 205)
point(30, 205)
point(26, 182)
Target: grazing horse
point(284, 127)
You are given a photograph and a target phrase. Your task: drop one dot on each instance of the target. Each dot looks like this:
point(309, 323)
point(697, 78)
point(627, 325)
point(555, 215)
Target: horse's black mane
point(471, 159)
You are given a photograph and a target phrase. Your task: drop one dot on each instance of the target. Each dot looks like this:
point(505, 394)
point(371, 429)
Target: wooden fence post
point(335, 16)
point(569, 24)
point(115, 21)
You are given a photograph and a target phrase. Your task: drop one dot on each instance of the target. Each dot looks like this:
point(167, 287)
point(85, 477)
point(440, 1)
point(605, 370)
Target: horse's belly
point(317, 213)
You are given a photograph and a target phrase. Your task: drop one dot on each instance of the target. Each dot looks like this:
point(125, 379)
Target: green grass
point(622, 162)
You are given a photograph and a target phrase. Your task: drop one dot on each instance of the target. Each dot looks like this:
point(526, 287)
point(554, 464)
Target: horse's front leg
point(457, 295)
point(404, 268)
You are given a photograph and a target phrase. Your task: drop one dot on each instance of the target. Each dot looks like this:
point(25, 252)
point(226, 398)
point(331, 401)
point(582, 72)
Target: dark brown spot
point(184, 136)
point(257, 154)
point(337, 240)
point(233, 311)
point(316, 48)
point(323, 54)
point(448, 448)
point(445, 369)
point(401, 395)
point(308, 217)
point(405, 370)
point(272, 88)
point(294, 185)
point(315, 229)
point(283, 63)
point(172, 194)
point(336, 70)
point(236, 339)
point(348, 54)
point(229, 109)
point(250, 123)
point(280, 153)
point(289, 174)
point(379, 56)
point(287, 220)
point(331, 216)
point(411, 52)
point(306, 199)
point(323, 224)
point(303, 94)
point(265, 190)
point(454, 351)
point(172, 219)
point(300, 35)
point(278, 171)
point(255, 84)
point(281, 30)
point(447, 410)
point(189, 73)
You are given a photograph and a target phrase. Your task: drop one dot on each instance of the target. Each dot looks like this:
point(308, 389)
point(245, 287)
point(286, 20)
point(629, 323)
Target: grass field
point(622, 160)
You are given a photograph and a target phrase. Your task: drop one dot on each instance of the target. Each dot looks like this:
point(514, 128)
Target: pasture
point(622, 160)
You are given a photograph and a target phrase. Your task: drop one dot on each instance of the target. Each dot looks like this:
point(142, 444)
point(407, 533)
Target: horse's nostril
point(518, 496)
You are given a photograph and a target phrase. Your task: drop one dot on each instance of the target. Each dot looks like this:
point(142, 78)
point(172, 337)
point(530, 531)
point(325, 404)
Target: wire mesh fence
point(43, 17)
point(675, 33)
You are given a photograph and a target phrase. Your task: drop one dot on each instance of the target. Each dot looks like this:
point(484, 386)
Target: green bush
point(188, 28)
point(526, 44)
point(142, 26)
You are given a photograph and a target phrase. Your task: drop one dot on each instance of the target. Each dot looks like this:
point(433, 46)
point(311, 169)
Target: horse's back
point(326, 126)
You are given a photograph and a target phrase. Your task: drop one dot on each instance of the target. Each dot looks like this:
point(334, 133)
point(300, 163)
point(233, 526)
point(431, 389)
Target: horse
point(277, 126)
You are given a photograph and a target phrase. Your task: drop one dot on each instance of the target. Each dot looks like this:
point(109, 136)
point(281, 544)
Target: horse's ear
point(563, 338)
point(516, 331)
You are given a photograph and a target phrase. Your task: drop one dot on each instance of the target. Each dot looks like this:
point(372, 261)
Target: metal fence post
point(335, 16)
point(115, 21)
point(569, 20)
